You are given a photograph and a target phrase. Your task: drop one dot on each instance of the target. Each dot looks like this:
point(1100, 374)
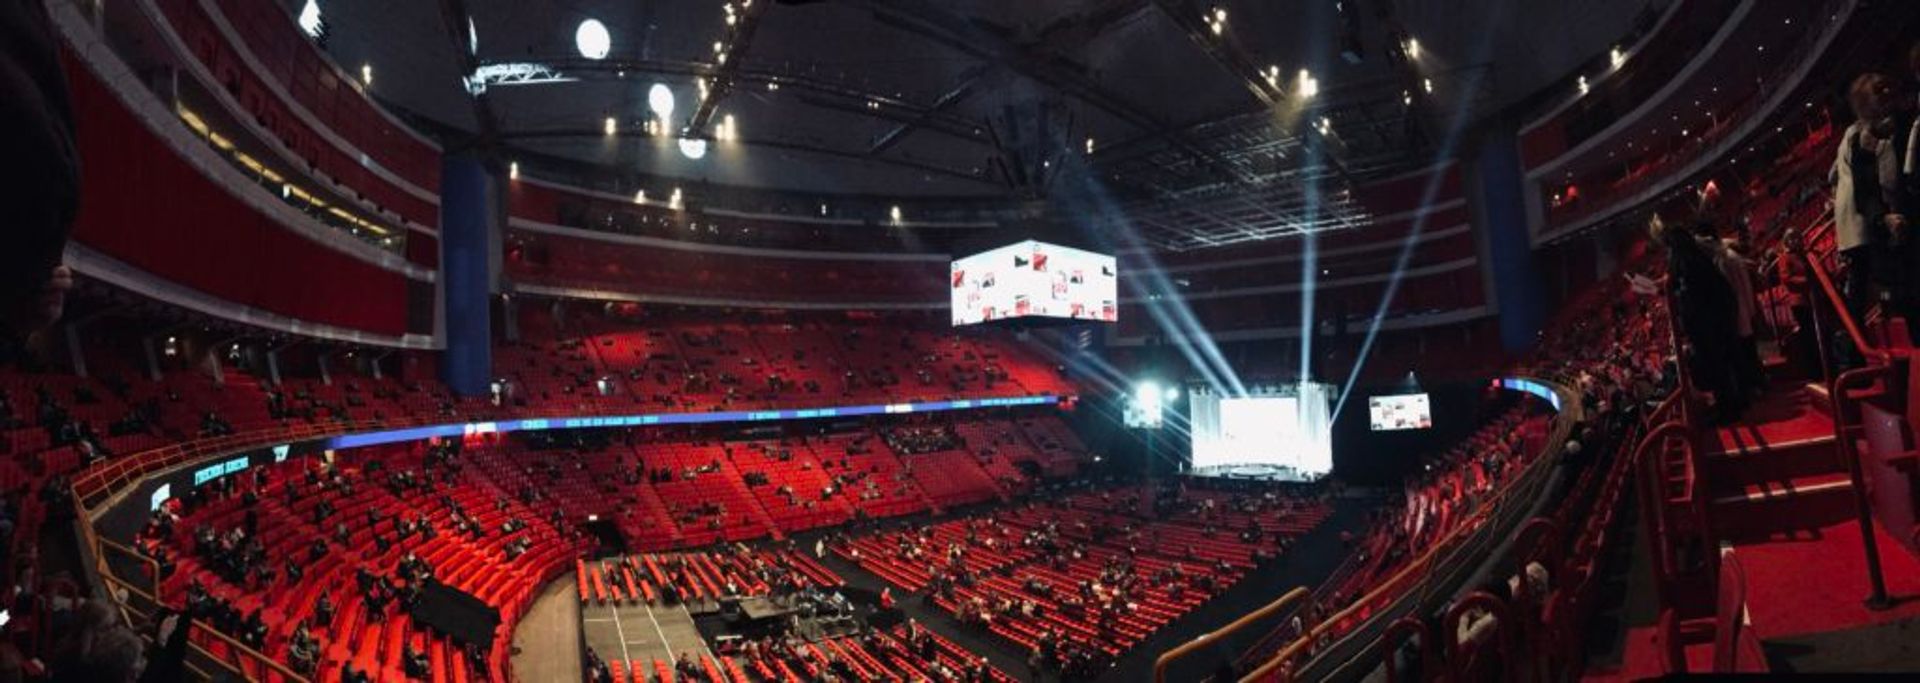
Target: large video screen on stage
point(1034, 279)
point(1402, 411)
point(1287, 435)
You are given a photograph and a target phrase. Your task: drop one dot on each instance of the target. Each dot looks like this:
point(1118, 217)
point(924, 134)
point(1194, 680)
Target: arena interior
point(819, 341)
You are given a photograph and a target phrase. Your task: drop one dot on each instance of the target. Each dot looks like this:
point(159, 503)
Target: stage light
point(1584, 87)
point(310, 19)
point(473, 37)
point(640, 197)
point(513, 171)
point(1309, 86)
point(1413, 48)
point(1172, 394)
point(895, 214)
point(660, 100)
point(673, 200)
point(1147, 393)
point(1089, 145)
point(1616, 57)
point(1427, 83)
point(592, 39)
point(693, 148)
point(366, 74)
point(612, 126)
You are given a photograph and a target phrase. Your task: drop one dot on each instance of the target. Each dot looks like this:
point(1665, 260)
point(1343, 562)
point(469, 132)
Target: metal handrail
point(1167, 658)
point(240, 652)
point(1847, 321)
point(1844, 413)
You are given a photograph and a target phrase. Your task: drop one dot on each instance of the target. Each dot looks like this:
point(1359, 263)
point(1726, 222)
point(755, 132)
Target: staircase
point(1778, 471)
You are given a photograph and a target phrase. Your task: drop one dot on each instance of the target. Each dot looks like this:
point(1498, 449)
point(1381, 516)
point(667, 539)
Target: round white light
point(310, 18)
point(592, 39)
point(660, 100)
point(693, 148)
point(1148, 393)
point(1173, 394)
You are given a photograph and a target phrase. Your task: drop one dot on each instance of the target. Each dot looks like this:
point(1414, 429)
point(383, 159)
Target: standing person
point(40, 181)
point(1703, 306)
point(1712, 219)
point(1869, 199)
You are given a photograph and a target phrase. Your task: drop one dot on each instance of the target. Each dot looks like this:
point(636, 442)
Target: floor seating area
point(699, 576)
point(1092, 573)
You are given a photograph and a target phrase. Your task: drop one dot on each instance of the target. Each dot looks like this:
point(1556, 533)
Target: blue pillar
point(1496, 192)
point(468, 221)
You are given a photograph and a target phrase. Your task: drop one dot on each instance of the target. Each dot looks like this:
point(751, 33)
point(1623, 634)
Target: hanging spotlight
point(1089, 145)
point(310, 19)
point(366, 74)
point(640, 197)
point(1616, 57)
point(513, 170)
point(895, 214)
point(1584, 88)
point(660, 100)
point(1309, 86)
point(612, 126)
point(673, 200)
point(592, 39)
point(1413, 48)
point(693, 148)
point(1427, 84)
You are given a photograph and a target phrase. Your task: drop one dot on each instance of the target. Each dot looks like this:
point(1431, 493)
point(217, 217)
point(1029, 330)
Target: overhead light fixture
point(310, 19)
point(660, 100)
point(693, 148)
point(592, 39)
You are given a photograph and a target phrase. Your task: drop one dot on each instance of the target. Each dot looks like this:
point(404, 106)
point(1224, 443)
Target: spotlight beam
point(1431, 192)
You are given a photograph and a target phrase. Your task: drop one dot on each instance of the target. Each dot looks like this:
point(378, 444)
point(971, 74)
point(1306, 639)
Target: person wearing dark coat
point(1705, 310)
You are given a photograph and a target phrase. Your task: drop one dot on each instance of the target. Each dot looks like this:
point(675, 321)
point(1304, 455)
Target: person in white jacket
point(1870, 198)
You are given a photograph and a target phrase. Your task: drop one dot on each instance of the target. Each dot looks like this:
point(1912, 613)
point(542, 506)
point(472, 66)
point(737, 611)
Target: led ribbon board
point(647, 420)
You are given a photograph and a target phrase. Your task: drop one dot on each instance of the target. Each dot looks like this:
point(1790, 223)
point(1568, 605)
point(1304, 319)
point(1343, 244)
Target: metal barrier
point(1290, 599)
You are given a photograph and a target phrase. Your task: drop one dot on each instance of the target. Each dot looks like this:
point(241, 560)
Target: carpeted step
point(1772, 508)
point(1783, 437)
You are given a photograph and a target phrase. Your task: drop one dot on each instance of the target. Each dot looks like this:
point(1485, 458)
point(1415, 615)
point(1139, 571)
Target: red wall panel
point(143, 205)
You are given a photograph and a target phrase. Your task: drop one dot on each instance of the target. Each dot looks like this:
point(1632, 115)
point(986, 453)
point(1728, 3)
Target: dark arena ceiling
point(1193, 116)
